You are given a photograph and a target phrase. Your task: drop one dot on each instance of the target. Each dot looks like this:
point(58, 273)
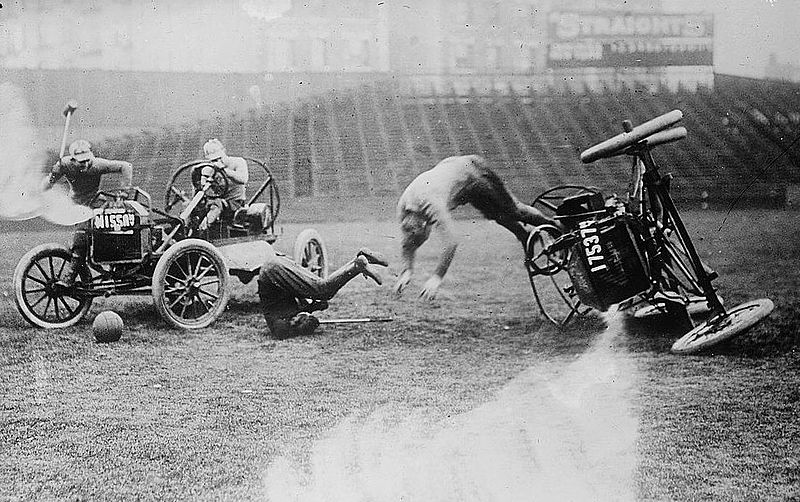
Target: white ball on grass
point(107, 327)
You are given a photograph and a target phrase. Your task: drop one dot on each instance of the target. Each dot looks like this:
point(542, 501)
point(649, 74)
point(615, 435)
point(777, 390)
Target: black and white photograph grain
point(399, 250)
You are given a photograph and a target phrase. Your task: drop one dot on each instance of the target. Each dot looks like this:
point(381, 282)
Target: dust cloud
point(562, 430)
point(21, 169)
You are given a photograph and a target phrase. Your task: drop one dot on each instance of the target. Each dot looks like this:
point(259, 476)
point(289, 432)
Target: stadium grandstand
point(351, 99)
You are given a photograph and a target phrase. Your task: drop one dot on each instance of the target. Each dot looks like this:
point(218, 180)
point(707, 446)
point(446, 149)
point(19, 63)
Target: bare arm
point(431, 287)
point(445, 226)
point(125, 169)
point(407, 254)
point(55, 175)
point(127, 174)
point(238, 172)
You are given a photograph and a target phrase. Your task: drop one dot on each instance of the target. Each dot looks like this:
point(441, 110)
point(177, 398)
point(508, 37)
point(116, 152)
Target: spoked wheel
point(310, 252)
point(39, 299)
point(191, 284)
point(724, 326)
point(551, 284)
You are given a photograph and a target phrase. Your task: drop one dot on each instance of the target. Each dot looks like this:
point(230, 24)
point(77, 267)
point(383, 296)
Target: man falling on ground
point(428, 200)
point(289, 293)
point(83, 170)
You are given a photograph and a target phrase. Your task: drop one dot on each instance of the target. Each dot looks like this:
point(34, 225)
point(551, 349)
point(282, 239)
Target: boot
point(362, 263)
point(373, 257)
point(337, 280)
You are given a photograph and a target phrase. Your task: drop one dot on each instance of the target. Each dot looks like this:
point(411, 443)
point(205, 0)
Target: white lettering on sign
point(591, 246)
point(114, 221)
point(592, 25)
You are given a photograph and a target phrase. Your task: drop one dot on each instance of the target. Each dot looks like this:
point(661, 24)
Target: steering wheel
point(176, 195)
point(218, 185)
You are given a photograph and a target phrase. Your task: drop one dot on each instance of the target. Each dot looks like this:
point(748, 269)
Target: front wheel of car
point(191, 284)
point(39, 297)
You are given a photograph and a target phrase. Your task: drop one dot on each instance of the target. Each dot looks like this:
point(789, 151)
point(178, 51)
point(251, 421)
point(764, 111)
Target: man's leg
point(491, 197)
point(78, 251)
point(373, 257)
point(281, 282)
point(229, 209)
point(215, 208)
point(290, 277)
point(515, 227)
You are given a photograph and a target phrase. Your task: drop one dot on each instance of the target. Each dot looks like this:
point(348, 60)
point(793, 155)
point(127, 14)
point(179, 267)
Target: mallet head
point(71, 106)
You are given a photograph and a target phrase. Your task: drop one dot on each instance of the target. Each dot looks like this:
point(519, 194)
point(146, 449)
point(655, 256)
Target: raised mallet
point(69, 109)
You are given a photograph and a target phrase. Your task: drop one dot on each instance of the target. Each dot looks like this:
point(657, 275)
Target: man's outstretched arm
point(408, 253)
point(126, 172)
point(54, 175)
point(104, 166)
point(431, 287)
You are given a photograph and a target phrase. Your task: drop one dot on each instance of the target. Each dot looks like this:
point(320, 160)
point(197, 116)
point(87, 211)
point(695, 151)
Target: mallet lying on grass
point(354, 320)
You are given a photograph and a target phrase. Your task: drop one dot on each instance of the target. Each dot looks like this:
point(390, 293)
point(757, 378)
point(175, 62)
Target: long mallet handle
point(72, 105)
point(355, 320)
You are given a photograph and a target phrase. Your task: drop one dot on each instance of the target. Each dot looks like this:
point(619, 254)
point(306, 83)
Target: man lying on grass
point(430, 198)
point(289, 292)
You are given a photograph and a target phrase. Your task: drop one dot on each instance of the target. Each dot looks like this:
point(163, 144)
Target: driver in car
point(83, 170)
point(235, 169)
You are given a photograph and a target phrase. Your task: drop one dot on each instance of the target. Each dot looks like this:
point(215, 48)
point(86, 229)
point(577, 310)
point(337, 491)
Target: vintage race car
point(135, 248)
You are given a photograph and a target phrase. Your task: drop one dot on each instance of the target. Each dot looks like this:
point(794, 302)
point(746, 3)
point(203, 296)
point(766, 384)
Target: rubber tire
point(159, 282)
point(20, 272)
point(720, 328)
point(308, 237)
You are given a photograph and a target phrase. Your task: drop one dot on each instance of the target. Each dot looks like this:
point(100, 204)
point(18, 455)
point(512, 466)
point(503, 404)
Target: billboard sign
point(618, 39)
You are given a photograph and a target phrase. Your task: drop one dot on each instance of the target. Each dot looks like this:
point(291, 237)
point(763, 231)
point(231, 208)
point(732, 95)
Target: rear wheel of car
point(191, 284)
point(39, 299)
point(310, 252)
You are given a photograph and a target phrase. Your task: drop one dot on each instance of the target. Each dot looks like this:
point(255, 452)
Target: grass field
point(473, 397)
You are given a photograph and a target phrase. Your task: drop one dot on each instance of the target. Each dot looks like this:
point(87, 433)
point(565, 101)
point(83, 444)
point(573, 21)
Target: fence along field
point(370, 141)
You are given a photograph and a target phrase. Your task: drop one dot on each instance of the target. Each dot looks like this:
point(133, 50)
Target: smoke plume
point(21, 194)
point(560, 431)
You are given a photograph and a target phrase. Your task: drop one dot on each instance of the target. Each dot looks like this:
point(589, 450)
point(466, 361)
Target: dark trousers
point(489, 195)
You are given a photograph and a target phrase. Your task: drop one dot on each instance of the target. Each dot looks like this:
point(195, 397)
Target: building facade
point(160, 61)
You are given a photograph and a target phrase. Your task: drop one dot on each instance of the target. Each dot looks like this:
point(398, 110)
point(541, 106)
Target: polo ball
point(107, 327)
